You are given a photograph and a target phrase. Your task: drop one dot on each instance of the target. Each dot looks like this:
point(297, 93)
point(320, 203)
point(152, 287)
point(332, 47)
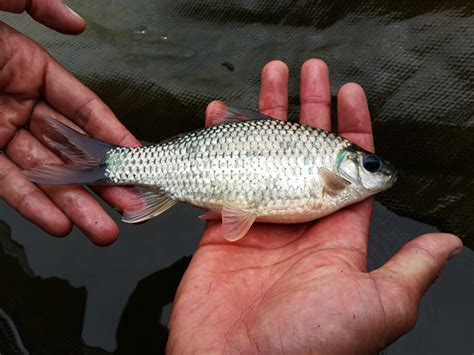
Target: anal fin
point(235, 223)
point(152, 204)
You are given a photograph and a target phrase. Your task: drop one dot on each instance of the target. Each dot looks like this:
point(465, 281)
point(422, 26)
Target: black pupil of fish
point(371, 163)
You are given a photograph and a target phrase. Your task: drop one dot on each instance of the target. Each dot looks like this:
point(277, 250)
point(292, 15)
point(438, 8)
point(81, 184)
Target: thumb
point(52, 13)
point(403, 280)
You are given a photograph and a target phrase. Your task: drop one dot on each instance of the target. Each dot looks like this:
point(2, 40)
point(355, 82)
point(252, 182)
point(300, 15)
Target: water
point(158, 64)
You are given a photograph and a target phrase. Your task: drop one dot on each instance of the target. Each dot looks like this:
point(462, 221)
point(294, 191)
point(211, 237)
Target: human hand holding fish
point(33, 83)
point(307, 277)
point(291, 288)
point(304, 288)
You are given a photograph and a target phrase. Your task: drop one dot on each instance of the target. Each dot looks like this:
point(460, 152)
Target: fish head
point(368, 173)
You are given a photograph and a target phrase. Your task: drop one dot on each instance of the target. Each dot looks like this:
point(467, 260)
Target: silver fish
point(250, 168)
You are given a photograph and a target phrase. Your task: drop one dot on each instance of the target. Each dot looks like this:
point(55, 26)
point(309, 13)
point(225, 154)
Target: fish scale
point(267, 167)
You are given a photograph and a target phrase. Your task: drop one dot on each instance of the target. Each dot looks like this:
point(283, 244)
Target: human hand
point(32, 83)
point(304, 288)
point(52, 13)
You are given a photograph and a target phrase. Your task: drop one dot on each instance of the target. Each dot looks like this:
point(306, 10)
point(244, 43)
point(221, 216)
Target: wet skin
point(304, 288)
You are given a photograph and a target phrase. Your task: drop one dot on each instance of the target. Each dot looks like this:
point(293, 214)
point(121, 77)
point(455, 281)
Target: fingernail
point(74, 13)
point(455, 252)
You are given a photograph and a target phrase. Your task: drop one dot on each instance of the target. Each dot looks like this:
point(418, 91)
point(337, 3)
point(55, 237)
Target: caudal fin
point(84, 156)
point(66, 174)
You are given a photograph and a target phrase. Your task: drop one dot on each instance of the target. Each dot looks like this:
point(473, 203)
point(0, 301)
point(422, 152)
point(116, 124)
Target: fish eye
point(372, 163)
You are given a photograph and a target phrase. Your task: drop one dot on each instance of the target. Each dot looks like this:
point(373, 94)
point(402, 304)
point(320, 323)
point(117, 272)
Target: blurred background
point(158, 64)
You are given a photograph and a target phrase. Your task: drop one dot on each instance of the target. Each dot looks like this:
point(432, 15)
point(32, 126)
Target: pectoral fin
point(151, 204)
point(235, 223)
point(332, 182)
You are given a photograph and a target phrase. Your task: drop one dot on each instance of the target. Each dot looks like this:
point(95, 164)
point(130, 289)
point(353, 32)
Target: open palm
point(304, 288)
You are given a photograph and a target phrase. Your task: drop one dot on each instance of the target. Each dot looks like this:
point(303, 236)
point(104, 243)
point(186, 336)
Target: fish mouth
point(394, 177)
point(390, 170)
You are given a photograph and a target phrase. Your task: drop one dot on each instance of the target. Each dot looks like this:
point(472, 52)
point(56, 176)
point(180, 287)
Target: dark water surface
point(158, 64)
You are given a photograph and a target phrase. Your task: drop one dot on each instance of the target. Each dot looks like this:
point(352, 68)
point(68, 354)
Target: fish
point(248, 168)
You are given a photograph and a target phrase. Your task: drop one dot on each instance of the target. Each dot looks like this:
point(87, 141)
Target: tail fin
point(84, 156)
point(67, 174)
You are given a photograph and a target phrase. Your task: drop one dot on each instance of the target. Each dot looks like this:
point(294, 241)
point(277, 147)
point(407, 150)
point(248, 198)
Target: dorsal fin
point(223, 113)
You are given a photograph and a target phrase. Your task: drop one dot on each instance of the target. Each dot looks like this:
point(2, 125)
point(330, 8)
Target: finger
point(273, 99)
point(354, 124)
point(52, 13)
point(16, 6)
point(13, 114)
point(214, 113)
point(119, 197)
point(29, 201)
point(406, 276)
point(420, 261)
point(353, 116)
point(74, 201)
point(67, 95)
point(315, 95)
point(56, 15)
point(350, 226)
